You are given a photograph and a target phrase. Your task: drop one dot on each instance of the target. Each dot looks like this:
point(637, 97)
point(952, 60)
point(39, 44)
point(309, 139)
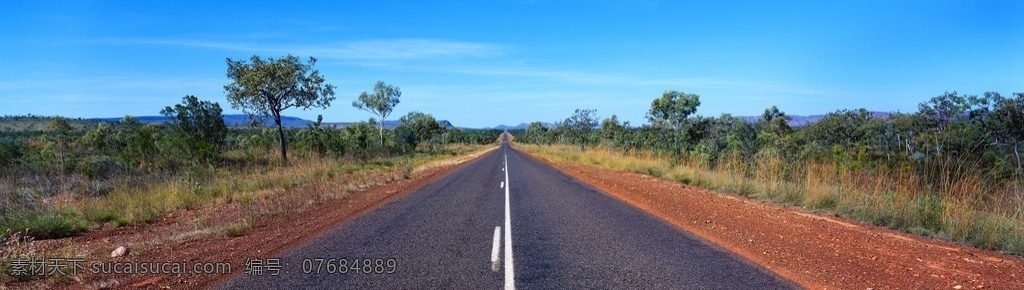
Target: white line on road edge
point(494, 249)
point(510, 278)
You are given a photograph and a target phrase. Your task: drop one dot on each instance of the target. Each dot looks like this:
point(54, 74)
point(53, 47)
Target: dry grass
point(223, 187)
point(963, 208)
point(144, 199)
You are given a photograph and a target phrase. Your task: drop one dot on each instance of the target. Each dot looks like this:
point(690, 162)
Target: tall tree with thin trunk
point(671, 111)
point(580, 124)
point(265, 87)
point(60, 129)
point(1009, 114)
point(380, 104)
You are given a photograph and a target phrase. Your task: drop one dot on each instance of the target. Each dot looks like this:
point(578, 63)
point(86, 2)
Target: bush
point(197, 129)
point(10, 151)
point(102, 167)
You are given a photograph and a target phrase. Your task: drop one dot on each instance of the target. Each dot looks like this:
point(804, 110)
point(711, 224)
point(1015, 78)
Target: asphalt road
point(565, 235)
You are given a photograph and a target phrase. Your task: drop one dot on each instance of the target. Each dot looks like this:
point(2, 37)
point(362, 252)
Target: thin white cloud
point(108, 83)
point(224, 45)
point(634, 80)
point(405, 49)
point(374, 50)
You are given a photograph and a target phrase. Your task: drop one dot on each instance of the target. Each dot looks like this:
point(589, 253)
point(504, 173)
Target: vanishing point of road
point(508, 221)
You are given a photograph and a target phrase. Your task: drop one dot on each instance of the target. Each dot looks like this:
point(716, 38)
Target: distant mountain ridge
point(240, 120)
point(520, 126)
point(798, 120)
point(232, 120)
point(795, 120)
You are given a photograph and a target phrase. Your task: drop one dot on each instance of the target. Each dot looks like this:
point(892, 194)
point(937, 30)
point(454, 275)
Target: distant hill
point(20, 123)
point(234, 120)
point(40, 123)
point(388, 124)
point(239, 120)
point(798, 120)
point(795, 121)
point(519, 127)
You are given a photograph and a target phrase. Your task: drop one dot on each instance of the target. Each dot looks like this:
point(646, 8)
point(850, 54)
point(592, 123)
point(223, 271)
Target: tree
point(380, 103)
point(199, 127)
point(267, 87)
point(614, 133)
point(314, 136)
point(415, 128)
point(580, 124)
point(358, 137)
point(61, 129)
point(955, 122)
point(98, 139)
point(10, 151)
point(139, 140)
point(774, 124)
point(1009, 114)
point(941, 110)
point(536, 133)
point(671, 110)
point(844, 128)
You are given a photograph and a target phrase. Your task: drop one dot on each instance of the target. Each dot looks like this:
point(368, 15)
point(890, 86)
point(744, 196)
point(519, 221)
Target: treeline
point(980, 133)
point(126, 172)
point(197, 136)
point(60, 176)
point(952, 169)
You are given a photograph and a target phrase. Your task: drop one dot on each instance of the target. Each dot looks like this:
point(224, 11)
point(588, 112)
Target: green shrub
point(102, 167)
point(43, 225)
point(10, 151)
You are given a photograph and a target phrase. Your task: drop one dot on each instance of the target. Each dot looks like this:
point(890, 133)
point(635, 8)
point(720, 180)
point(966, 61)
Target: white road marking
point(510, 278)
point(502, 185)
point(494, 249)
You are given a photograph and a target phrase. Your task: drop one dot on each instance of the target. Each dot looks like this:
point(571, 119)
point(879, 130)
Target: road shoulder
point(280, 221)
point(813, 250)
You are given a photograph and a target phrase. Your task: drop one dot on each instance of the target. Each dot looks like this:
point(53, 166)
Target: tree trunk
point(280, 138)
point(60, 152)
point(1016, 153)
point(381, 136)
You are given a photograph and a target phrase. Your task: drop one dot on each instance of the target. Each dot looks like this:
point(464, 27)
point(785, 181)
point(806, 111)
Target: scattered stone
point(120, 251)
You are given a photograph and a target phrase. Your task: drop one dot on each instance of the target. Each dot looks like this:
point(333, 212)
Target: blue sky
point(484, 63)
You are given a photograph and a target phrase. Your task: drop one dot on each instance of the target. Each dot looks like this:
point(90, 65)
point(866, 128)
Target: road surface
point(453, 234)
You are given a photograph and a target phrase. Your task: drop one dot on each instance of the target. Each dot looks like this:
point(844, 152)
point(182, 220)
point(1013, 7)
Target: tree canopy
point(265, 87)
point(380, 103)
point(672, 109)
point(580, 124)
point(415, 128)
point(198, 127)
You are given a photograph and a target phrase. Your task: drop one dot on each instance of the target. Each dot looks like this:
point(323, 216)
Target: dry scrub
point(963, 209)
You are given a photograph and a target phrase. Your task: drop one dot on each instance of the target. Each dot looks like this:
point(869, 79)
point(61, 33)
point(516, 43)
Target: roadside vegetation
point(951, 170)
point(125, 173)
point(59, 176)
